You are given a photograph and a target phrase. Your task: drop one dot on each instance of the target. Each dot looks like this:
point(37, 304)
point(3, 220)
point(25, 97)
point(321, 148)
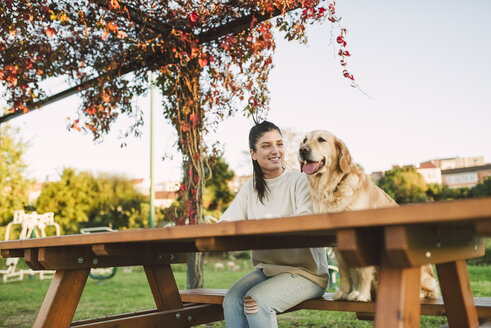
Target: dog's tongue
point(311, 167)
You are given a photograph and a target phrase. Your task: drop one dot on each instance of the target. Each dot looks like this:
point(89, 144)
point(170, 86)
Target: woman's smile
point(269, 154)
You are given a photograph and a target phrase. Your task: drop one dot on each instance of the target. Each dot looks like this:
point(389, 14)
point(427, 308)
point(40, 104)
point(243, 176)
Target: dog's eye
point(321, 139)
point(304, 140)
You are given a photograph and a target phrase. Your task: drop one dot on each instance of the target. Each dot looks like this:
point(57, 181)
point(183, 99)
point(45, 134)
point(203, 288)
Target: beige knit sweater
point(289, 195)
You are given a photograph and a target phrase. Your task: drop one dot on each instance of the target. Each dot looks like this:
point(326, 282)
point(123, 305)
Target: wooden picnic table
point(399, 240)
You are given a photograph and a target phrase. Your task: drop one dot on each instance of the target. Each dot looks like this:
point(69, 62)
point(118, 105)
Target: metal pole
point(151, 217)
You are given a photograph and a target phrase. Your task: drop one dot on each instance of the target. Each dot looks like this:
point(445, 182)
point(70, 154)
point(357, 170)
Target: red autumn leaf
point(194, 49)
point(193, 118)
point(192, 18)
point(114, 5)
point(12, 80)
point(348, 75)
point(90, 110)
point(112, 26)
point(340, 40)
point(122, 35)
point(332, 9)
point(203, 60)
point(344, 53)
point(75, 125)
point(50, 32)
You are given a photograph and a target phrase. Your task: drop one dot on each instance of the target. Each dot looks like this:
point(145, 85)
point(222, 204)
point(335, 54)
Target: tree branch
point(236, 26)
point(71, 91)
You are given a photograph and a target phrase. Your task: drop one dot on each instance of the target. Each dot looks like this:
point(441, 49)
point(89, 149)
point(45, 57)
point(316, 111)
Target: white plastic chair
point(32, 223)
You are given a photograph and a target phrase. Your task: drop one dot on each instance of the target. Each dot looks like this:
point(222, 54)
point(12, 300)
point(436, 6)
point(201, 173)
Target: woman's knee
point(257, 302)
point(250, 305)
point(231, 300)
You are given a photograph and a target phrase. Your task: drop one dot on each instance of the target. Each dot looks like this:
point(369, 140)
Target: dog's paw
point(339, 296)
point(431, 294)
point(355, 296)
point(429, 286)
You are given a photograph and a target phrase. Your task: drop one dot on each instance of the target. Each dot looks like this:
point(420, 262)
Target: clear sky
point(425, 65)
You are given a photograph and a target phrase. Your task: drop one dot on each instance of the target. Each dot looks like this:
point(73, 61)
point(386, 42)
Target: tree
point(118, 204)
point(483, 189)
point(211, 58)
point(217, 192)
point(81, 200)
point(70, 199)
point(14, 184)
point(404, 185)
point(437, 192)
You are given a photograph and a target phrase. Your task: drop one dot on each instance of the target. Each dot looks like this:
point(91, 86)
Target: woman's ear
point(344, 156)
point(253, 154)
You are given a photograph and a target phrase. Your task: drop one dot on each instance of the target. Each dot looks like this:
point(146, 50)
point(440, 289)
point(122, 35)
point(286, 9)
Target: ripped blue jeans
point(254, 300)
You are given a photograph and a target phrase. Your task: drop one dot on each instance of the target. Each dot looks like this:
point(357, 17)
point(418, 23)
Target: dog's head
point(321, 152)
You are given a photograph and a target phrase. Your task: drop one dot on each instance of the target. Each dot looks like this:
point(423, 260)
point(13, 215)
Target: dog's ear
point(344, 156)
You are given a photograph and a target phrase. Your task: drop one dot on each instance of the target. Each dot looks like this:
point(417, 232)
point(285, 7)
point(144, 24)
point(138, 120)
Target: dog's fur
point(337, 184)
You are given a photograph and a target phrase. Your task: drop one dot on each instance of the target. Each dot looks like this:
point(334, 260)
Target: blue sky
point(425, 66)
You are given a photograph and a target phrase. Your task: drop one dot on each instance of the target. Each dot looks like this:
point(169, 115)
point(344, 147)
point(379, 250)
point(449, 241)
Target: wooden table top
point(475, 211)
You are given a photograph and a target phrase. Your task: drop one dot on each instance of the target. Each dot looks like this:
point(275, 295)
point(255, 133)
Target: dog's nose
point(304, 150)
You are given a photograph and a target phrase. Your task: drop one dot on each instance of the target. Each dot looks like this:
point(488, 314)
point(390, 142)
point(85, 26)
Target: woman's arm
point(238, 208)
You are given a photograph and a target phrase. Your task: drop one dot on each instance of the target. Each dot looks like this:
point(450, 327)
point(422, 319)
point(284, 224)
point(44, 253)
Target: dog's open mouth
point(310, 167)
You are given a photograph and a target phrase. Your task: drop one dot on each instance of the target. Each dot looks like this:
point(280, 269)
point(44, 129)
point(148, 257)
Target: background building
point(430, 172)
point(455, 172)
point(466, 176)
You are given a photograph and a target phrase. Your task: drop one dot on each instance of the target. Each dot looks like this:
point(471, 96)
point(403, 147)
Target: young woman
point(282, 278)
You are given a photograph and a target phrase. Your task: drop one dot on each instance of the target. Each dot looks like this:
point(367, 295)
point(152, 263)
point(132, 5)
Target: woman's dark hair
point(256, 132)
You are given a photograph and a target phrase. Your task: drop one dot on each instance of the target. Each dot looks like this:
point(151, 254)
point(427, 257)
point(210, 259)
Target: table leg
point(397, 300)
point(457, 294)
point(62, 298)
point(163, 286)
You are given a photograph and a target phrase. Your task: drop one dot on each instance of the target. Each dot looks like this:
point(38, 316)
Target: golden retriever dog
point(337, 184)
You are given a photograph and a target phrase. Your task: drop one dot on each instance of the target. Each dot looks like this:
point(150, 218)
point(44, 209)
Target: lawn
point(20, 301)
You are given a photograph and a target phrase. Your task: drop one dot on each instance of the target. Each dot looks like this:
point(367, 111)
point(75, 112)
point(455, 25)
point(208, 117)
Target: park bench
point(363, 310)
point(399, 240)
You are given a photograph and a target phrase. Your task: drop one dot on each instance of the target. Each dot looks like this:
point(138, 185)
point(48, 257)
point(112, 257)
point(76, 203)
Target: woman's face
point(269, 154)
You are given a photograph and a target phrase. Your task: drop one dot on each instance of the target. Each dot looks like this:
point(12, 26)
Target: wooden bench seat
point(428, 307)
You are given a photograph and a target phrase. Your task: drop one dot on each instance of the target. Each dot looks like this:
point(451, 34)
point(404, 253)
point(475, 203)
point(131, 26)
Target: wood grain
point(428, 306)
point(360, 247)
point(457, 294)
point(262, 242)
point(420, 244)
point(398, 303)
point(79, 257)
point(62, 298)
point(185, 317)
point(470, 210)
point(163, 286)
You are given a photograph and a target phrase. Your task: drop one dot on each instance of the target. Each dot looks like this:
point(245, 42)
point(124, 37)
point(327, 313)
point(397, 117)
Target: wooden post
point(163, 286)
point(457, 294)
point(62, 298)
point(398, 302)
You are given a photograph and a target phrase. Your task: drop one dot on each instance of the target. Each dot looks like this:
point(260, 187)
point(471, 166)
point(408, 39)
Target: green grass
point(129, 292)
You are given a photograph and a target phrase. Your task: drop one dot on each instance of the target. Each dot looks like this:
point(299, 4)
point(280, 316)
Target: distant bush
point(81, 200)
